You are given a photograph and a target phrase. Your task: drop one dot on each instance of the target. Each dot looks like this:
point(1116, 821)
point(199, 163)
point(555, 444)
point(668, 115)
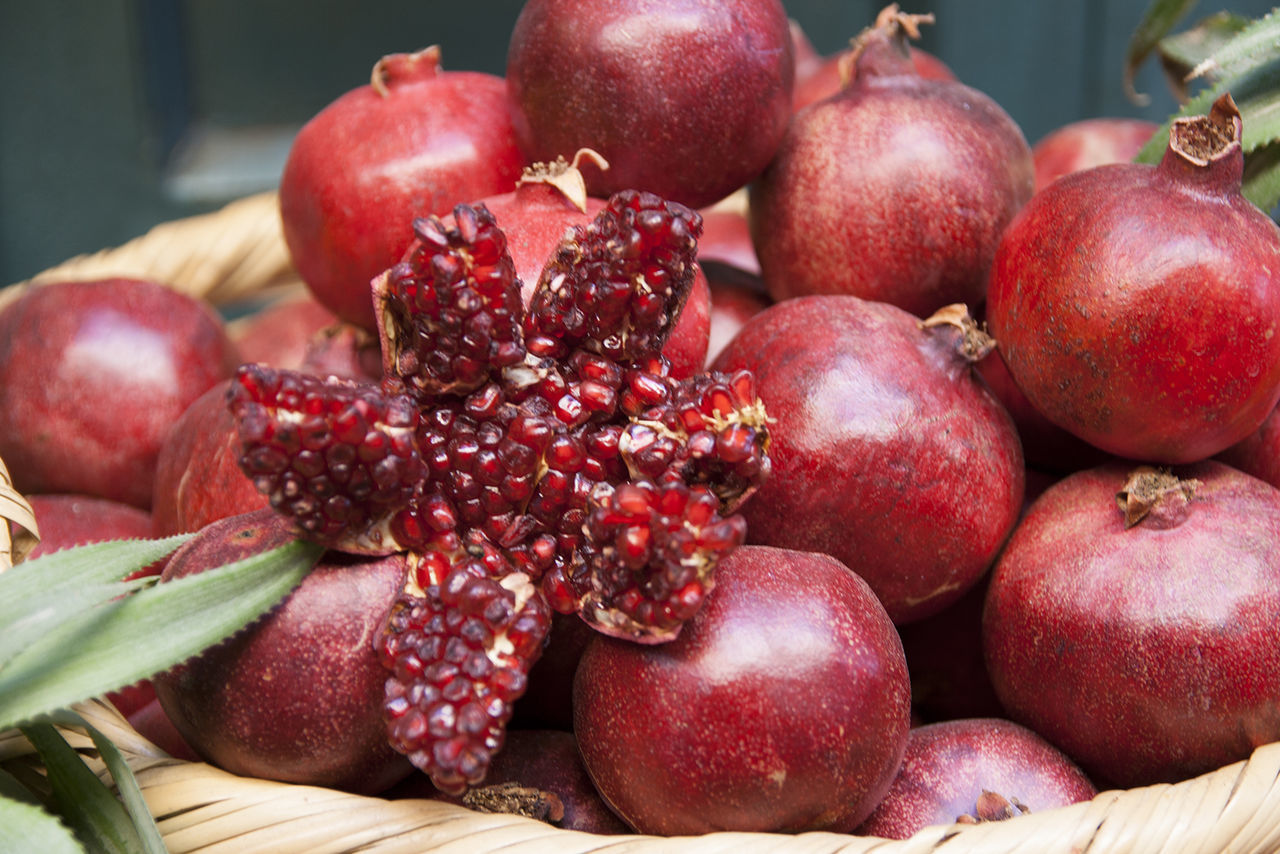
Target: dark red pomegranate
point(736, 297)
point(1258, 453)
point(1131, 620)
point(974, 770)
point(887, 451)
point(280, 333)
point(415, 141)
point(92, 376)
point(73, 520)
point(782, 706)
point(297, 696)
point(1087, 143)
point(895, 190)
point(685, 98)
point(1137, 306)
point(198, 476)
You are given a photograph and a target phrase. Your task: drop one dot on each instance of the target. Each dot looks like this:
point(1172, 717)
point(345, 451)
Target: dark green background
point(94, 95)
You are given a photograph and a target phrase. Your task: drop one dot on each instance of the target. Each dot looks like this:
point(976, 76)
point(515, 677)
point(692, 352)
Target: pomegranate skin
point(1258, 453)
point(948, 765)
point(296, 697)
point(1088, 143)
point(280, 335)
point(895, 190)
point(1137, 306)
point(685, 98)
point(92, 376)
point(1147, 654)
point(887, 452)
point(783, 705)
point(73, 520)
point(370, 162)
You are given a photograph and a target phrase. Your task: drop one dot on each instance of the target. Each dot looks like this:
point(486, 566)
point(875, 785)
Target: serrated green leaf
point(24, 827)
point(122, 641)
point(1261, 183)
point(1181, 52)
point(1159, 18)
point(1253, 47)
point(44, 615)
point(83, 801)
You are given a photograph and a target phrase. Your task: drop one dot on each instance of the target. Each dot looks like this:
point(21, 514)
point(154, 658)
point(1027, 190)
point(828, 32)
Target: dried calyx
point(529, 461)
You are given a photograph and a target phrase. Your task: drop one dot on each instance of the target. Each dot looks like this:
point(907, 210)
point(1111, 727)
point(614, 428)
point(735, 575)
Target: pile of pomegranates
point(733, 439)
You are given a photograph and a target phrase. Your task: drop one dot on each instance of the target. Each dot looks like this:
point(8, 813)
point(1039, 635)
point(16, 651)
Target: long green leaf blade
point(134, 638)
point(1184, 51)
point(1158, 19)
point(82, 800)
point(44, 615)
point(1249, 49)
point(1262, 177)
point(24, 827)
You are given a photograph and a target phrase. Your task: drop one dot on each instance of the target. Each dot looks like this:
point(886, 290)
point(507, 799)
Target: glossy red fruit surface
point(92, 376)
point(416, 140)
point(73, 520)
point(887, 452)
point(974, 770)
point(1138, 307)
point(782, 706)
point(1088, 143)
point(684, 98)
point(1146, 650)
point(297, 696)
point(895, 190)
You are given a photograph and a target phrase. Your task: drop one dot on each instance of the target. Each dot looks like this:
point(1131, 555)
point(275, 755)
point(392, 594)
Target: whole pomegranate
point(684, 98)
point(415, 141)
point(971, 770)
point(782, 706)
point(92, 376)
point(887, 451)
point(280, 334)
point(1138, 307)
point(895, 190)
point(1087, 143)
point(1131, 620)
point(73, 520)
point(1258, 453)
point(297, 696)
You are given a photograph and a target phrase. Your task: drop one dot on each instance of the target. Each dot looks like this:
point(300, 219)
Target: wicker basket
point(236, 255)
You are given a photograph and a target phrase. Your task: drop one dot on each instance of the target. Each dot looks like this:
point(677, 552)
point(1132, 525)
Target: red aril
point(1138, 307)
point(1131, 620)
point(887, 451)
point(1088, 143)
point(415, 141)
point(895, 190)
point(685, 98)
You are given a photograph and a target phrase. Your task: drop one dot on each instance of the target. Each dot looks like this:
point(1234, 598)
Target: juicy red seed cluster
point(336, 456)
point(616, 285)
point(451, 312)
point(654, 547)
point(459, 656)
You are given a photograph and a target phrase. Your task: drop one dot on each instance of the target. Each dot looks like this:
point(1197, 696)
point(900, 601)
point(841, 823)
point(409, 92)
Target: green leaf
point(124, 640)
point(24, 827)
point(44, 615)
point(1262, 177)
point(1159, 18)
point(11, 787)
point(1251, 48)
point(1182, 52)
point(83, 801)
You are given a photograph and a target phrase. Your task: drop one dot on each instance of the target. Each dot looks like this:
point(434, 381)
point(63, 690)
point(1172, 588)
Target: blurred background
point(119, 114)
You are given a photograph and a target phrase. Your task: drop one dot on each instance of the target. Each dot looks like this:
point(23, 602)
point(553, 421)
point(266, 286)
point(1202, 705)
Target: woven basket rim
point(237, 254)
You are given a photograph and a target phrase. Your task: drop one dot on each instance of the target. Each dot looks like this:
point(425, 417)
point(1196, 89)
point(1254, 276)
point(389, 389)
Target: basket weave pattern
point(237, 254)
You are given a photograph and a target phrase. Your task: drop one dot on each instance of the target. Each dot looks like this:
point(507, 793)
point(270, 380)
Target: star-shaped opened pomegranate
point(526, 460)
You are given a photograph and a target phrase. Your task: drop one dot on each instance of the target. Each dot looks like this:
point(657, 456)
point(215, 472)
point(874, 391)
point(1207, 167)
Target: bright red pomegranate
point(973, 770)
point(895, 190)
point(685, 98)
point(297, 696)
point(782, 706)
point(415, 141)
point(887, 451)
point(1087, 143)
point(92, 376)
point(280, 334)
point(1138, 307)
point(1131, 620)
point(1258, 453)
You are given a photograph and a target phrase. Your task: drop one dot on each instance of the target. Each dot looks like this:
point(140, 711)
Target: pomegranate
point(878, 418)
point(782, 706)
point(736, 297)
point(684, 98)
point(971, 770)
point(1131, 620)
point(548, 703)
point(1258, 453)
point(726, 237)
point(1087, 143)
point(151, 722)
point(280, 334)
point(1082, 285)
point(895, 190)
point(92, 376)
point(296, 697)
point(73, 520)
point(416, 140)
